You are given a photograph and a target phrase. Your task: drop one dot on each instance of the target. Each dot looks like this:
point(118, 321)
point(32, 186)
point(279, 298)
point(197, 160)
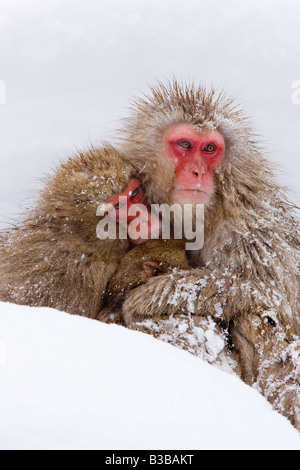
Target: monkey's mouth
point(191, 196)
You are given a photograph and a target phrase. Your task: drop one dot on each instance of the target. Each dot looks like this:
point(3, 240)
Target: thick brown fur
point(54, 258)
point(137, 266)
point(250, 257)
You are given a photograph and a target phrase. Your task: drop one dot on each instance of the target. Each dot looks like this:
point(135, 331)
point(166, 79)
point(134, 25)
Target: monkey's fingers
point(153, 299)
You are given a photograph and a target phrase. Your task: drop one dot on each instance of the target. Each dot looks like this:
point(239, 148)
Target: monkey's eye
point(185, 144)
point(117, 206)
point(135, 192)
point(210, 148)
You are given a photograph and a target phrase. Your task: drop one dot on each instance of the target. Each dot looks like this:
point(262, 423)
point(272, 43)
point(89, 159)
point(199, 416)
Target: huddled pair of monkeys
point(182, 144)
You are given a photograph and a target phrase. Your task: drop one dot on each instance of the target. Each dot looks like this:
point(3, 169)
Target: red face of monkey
point(147, 226)
point(195, 155)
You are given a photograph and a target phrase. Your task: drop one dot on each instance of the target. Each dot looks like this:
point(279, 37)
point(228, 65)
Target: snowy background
point(71, 69)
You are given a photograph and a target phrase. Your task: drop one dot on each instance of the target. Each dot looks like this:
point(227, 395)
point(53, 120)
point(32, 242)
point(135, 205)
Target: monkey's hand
point(147, 300)
point(194, 291)
point(270, 360)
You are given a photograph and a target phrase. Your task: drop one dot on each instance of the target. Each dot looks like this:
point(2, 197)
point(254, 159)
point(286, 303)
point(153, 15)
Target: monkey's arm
point(220, 290)
point(197, 291)
point(270, 360)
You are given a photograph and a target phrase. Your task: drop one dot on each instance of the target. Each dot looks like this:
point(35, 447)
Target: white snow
point(72, 383)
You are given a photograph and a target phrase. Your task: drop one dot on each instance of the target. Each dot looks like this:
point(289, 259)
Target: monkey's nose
point(197, 169)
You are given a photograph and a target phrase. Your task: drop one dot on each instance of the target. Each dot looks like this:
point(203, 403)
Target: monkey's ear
point(152, 269)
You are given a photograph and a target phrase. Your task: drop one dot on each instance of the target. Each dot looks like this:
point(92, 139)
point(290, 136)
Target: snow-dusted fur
point(53, 258)
point(249, 274)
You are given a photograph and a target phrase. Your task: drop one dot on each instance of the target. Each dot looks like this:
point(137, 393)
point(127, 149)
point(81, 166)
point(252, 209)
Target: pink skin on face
point(195, 155)
point(135, 195)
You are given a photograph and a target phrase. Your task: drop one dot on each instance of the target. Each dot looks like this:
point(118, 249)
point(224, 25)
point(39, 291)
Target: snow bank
point(72, 383)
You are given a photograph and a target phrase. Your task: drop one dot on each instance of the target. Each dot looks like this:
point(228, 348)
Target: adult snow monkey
point(191, 145)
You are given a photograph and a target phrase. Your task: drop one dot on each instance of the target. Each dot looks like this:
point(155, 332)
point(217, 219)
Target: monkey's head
point(78, 187)
point(184, 141)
